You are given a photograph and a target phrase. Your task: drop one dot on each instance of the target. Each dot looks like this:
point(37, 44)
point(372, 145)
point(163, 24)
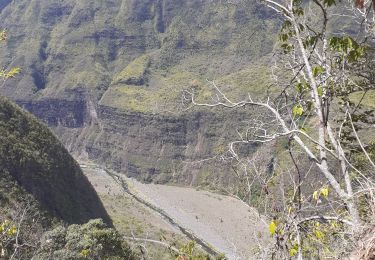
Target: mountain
point(108, 76)
point(38, 172)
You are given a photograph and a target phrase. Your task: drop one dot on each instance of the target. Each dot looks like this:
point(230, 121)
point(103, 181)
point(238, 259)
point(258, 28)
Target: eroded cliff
point(108, 76)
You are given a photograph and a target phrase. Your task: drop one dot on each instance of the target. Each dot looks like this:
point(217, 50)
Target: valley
point(187, 129)
point(108, 78)
point(220, 224)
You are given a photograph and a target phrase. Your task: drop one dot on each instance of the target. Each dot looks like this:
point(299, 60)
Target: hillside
point(80, 46)
point(37, 171)
point(276, 162)
point(107, 77)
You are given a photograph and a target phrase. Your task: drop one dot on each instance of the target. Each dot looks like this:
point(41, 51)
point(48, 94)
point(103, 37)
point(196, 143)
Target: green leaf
point(286, 25)
point(85, 252)
point(329, 2)
point(13, 72)
point(315, 195)
point(293, 252)
point(318, 70)
point(272, 228)
point(287, 47)
point(320, 91)
point(297, 110)
point(319, 235)
point(324, 192)
point(298, 11)
point(347, 46)
point(283, 37)
point(299, 87)
point(12, 231)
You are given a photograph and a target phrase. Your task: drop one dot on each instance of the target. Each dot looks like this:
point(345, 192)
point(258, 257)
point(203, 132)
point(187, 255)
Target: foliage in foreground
point(93, 240)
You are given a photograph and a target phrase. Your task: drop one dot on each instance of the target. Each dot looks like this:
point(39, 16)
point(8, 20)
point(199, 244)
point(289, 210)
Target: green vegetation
point(82, 45)
point(152, 99)
point(134, 73)
point(20, 216)
point(33, 157)
point(324, 156)
point(136, 58)
point(93, 240)
point(189, 251)
point(41, 186)
point(131, 98)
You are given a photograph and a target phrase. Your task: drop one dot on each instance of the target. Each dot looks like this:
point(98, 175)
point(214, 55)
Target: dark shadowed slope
point(31, 158)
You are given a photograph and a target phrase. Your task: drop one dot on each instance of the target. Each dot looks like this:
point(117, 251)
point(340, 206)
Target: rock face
point(107, 76)
point(50, 111)
point(154, 148)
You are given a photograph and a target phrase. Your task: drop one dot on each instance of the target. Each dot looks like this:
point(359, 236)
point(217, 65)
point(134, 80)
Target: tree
point(93, 240)
point(318, 70)
point(21, 224)
point(15, 242)
point(10, 73)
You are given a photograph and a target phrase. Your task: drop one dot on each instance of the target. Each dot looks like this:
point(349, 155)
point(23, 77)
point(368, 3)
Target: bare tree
point(317, 70)
point(21, 228)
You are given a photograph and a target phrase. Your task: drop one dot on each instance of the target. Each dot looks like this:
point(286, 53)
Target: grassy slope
point(65, 45)
point(33, 161)
point(97, 48)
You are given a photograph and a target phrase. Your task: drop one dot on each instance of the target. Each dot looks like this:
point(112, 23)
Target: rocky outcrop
point(186, 149)
point(57, 112)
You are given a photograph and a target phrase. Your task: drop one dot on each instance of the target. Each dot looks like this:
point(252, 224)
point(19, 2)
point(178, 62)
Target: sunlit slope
point(71, 47)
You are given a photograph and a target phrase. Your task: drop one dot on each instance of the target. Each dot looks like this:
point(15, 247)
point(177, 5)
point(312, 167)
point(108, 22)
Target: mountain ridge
point(82, 67)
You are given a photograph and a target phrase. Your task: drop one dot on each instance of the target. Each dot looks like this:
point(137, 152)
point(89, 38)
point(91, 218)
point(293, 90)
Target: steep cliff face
point(187, 149)
point(50, 110)
point(107, 76)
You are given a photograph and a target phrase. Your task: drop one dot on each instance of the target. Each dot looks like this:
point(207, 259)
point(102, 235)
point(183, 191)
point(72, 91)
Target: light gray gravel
point(226, 223)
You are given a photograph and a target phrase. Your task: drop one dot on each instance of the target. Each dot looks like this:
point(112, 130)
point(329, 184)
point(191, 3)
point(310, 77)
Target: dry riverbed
point(223, 222)
point(131, 218)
